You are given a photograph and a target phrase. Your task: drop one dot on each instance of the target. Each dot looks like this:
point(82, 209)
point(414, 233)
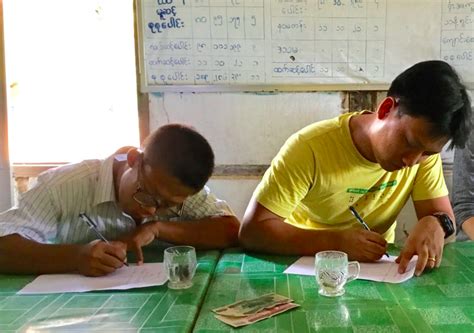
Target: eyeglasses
point(147, 200)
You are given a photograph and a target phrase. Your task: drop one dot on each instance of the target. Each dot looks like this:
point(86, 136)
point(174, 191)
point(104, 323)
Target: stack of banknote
point(249, 311)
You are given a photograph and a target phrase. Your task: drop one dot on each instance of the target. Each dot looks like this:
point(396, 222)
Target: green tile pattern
point(153, 309)
point(439, 301)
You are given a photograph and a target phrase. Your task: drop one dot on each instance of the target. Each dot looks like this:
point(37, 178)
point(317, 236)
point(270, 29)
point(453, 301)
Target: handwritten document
point(384, 270)
point(150, 274)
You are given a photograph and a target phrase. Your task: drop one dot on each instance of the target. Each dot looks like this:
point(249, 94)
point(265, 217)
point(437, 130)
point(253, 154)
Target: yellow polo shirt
point(319, 173)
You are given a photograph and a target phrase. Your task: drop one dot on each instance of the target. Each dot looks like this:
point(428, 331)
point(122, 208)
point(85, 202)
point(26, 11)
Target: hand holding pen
point(93, 226)
point(361, 221)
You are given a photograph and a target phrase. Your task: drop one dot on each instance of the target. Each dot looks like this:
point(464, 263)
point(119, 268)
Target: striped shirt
point(49, 212)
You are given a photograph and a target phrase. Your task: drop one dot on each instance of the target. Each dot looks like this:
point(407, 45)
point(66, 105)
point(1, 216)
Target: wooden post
point(6, 195)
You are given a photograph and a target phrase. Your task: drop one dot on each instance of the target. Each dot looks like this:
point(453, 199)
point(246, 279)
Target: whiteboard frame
point(212, 88)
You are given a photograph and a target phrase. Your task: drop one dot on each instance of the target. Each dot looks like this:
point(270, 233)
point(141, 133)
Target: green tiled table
point(438, 301)
point(153, 309)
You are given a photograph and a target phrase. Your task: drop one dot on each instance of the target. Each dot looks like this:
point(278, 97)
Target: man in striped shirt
point(133, 198)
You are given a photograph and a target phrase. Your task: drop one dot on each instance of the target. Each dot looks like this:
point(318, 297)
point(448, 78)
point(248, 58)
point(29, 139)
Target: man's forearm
point(283, 238)
point(468, 227)
point(208, 233)
point(19, 255)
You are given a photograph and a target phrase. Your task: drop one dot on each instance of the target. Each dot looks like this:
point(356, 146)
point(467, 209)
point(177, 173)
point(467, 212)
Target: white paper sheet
point(149, 274)
point(384, 270)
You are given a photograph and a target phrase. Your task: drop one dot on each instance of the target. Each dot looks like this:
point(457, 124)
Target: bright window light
point(71, 79)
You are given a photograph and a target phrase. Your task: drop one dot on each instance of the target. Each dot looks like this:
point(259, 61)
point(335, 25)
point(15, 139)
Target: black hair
point(182, 152)
point(433, 90)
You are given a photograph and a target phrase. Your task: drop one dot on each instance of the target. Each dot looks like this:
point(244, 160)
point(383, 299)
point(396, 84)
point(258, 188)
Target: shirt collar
point(105, 190)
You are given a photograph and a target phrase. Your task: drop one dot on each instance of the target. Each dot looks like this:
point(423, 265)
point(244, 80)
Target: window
point(71, 79)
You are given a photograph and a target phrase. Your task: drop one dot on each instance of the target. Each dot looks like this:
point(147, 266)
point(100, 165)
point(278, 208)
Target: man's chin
point(391, 167)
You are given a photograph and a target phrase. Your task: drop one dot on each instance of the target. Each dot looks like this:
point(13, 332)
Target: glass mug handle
point(353, 269)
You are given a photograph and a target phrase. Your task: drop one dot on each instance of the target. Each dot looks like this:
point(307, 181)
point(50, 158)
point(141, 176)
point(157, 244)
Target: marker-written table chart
point(245, 45)
point(153, 309)
point(261, 41)
point(438, 301)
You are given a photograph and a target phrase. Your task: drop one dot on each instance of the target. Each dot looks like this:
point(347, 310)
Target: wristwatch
point(446, 223)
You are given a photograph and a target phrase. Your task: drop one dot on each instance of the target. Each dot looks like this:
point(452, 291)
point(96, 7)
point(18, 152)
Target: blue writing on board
point(159, 27)
point(295, 69)
point(164, 12)
point(170, 45)
point(167, 17)
point(170, 77)
point(461, 38)
point(169, 61)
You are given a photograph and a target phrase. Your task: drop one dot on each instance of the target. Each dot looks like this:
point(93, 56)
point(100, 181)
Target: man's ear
point(134, 156)
point(386, 106)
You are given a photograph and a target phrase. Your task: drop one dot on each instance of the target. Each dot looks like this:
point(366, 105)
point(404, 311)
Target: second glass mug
point(333, 271)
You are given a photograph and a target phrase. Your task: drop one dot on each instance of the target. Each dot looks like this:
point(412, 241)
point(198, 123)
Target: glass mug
point(180, 265)
point(333, 271)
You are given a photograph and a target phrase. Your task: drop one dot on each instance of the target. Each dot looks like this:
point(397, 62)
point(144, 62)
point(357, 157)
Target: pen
point(405, 232)
point(93, 226)
point(361, 221)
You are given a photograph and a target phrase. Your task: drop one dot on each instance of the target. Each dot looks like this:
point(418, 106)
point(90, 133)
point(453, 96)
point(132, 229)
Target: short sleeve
point(204, 204)
point(289, 177)
point(34, 218)
point(429, 181)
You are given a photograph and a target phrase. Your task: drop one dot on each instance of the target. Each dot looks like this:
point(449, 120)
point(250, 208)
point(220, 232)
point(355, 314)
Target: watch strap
point(446, 223)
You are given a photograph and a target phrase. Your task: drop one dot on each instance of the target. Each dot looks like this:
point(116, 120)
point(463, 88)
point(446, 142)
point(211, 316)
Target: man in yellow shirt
point(373, 162)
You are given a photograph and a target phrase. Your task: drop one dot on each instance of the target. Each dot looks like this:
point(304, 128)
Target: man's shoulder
point(199, 197)
point(322, 132)
point(70, 172)
point(323, 127)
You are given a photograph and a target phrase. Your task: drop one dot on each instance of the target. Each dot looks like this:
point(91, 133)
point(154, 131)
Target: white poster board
point(252, 45)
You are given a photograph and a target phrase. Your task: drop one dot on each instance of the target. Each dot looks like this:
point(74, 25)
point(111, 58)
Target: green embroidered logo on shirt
point(372, 189)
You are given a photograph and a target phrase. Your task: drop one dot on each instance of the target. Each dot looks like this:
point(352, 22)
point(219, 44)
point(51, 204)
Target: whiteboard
point(291, 45)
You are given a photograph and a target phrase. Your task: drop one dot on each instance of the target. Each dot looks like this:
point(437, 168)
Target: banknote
point(261, 315)
point(250, 306)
